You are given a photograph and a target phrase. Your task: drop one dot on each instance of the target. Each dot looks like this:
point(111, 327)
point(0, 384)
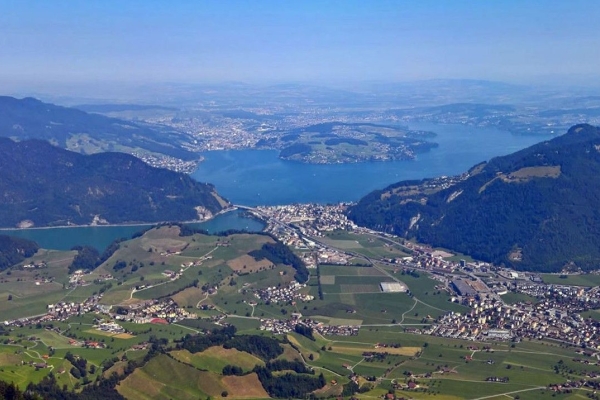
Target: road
point(373, 262)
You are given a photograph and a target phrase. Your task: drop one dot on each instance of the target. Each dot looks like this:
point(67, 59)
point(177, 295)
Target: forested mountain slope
point(43, 185)
point(536, 209)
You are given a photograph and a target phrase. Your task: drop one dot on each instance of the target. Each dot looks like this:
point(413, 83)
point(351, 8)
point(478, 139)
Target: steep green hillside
point(536, 209)
point(80, 131)
point(44, 185)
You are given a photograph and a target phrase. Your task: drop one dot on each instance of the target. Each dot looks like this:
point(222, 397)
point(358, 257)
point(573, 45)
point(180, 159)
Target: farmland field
point(338, 270)
point(572, 279)
point(363, 244)
point(164, 377)
point(512, 298)
point(382, 350)
point(215, 358)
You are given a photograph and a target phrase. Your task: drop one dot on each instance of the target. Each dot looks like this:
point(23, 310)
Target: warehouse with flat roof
point(463, 288)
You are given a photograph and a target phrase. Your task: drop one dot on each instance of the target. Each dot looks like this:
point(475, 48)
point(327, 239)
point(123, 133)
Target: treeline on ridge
point(279, 253)
point(263, 347)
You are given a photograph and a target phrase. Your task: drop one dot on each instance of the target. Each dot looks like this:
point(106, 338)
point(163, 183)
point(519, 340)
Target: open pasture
point(352, 284)
point(348, 270)
point(52, 339)
point(190, 296)
point(15, 365)
point(370, 308)
point(359, 350)
point(215, 358)
point(360, 288)
point(338, 321)
point(29, 288)
point(246, 386)
point(367, 245)
point(164, 377)
point(30, 304)
point(110, 334)
point(513, 298)
point(247, 263)
point(586, 280)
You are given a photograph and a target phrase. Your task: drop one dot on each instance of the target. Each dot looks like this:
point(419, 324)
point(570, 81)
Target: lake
point(101, 236)
point(259, 177)
point(255, 177)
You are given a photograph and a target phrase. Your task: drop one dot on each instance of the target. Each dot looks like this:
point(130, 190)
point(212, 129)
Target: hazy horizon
point(49, 44)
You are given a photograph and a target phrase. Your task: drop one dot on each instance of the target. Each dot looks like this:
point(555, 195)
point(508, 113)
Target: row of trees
point(262, 347)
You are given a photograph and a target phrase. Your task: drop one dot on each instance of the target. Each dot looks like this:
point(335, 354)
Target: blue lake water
point(102, 236)
point(255, 177)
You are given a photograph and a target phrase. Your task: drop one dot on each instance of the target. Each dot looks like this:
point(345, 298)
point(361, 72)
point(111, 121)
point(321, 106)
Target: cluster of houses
point(151, 311)
point(503, 379)
point(570, 385)
point(64, 310)
point(555, 317)
point(280, 327)
point(329, 256)
point(77, 278)
point(88, 344)
point(167, 162)
point(307, 220)
point(284, 294)
point(573, 298)
point(312, 219)
point(104, 277)
point(36, 265)
point(110, 327)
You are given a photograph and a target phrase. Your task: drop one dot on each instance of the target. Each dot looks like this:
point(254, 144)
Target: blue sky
point(307, 41)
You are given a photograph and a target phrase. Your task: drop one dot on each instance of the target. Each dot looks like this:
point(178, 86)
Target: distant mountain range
point(44, 185)
point(109, 107)
point(536, 209)
point(87, 133)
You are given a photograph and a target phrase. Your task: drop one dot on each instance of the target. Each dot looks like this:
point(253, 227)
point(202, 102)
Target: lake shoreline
point(133, 224)
point(261, 177)
point(65, 238)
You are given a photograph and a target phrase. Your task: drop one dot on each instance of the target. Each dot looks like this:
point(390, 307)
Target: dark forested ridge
point(536, 209)
point(14, 250)
point(78, 130)
point(279, 253)
point(49, 186)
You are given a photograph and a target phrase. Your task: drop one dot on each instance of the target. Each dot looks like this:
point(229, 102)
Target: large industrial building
point(463, 288)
